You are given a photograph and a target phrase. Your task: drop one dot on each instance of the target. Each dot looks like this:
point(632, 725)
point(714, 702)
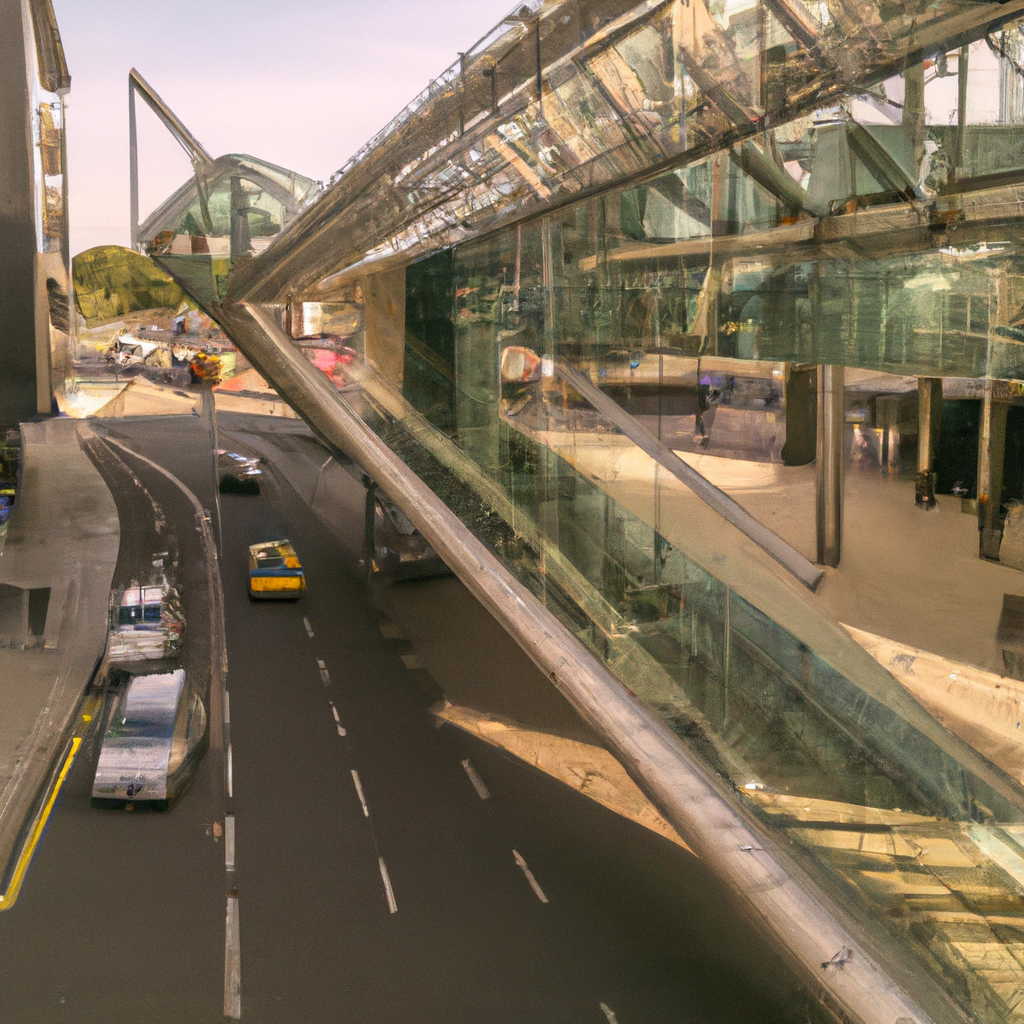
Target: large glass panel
point(835, 760)
point(228, 214)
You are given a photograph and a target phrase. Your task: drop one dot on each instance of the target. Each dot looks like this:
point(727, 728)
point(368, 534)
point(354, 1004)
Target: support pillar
point(552, 390)
point(133, 170)
point(929, 423)
point(829, 464)
point(369, 517)
point(801, 415)
point(991, 447)
point(384, 323)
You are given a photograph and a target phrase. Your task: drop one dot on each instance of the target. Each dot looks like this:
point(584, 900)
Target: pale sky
point(301, 83)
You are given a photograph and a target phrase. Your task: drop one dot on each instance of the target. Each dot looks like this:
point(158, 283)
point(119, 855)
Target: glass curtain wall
point(840, 769)
point(701, 300)
point(697, 206)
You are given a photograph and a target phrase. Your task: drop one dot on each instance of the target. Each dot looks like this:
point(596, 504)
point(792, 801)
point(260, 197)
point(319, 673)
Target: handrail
point(454, 70)
point(785, 554)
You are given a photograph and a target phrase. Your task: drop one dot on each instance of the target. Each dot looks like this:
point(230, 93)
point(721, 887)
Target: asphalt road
point(122, 916)
point(118, 917)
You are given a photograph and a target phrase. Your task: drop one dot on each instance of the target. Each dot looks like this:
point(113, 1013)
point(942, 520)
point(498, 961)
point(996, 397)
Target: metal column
point(991, 446)
point(829, 464)
point(133, 169)
point(929, 423)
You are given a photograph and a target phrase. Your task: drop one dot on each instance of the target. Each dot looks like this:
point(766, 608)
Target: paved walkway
point(64, 536)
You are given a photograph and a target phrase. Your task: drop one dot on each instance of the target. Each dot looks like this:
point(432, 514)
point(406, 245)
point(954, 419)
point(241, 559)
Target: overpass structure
point(616, 251)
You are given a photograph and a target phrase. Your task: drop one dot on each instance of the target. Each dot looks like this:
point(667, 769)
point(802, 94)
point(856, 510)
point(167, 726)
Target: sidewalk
point(55, 573)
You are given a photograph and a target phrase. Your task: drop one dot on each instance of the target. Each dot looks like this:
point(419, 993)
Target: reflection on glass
point(871, 801)
point(230, 212)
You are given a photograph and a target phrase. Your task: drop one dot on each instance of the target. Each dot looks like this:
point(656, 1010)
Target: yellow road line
point(8, 899)
point(89, 709)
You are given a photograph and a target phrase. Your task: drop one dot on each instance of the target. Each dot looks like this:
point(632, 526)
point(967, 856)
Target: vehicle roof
point(154, 698)
point(275, 545)
point(138, 738)
point(142, 595)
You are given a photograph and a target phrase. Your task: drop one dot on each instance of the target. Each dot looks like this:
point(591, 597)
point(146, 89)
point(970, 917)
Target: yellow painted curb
point(10, 897)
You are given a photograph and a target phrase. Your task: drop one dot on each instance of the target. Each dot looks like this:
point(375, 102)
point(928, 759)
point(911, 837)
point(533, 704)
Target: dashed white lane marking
point(411, 661)
point(230, 780)
point(478, 783)
point(337, 720)
point(612, 1019)
point(389, 892)
point(232, 962)
point(229, 842)
point(309, 628)
point(227, 709)
point(325, 677)
point(390, 631)
point(359, 793)
point(529, 877)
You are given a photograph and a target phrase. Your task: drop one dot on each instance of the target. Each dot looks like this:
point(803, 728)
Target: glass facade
point(229, 213)
point(829, 754)
point(726, 216)
point(834, 760)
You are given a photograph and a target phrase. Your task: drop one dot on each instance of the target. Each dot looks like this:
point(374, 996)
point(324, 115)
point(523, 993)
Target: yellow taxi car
point(275, 571)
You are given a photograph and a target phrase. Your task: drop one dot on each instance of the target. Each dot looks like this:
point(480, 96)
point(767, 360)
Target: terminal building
point(691, 336)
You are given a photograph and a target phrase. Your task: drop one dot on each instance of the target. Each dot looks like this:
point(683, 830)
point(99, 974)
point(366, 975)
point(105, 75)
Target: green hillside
point(111, 281)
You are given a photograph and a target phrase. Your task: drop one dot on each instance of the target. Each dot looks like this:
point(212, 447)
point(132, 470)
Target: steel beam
point(829, 465)
point(786, 555)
